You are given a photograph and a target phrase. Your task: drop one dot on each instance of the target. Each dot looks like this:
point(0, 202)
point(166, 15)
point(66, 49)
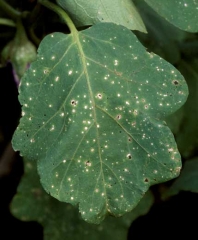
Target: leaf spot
point(73, 102)
point(146, 180)
point(116, 62)
point(99, 95)
point(52, 128)
point(45, 71)
point(119, 116)
point(175, 82)
point(88, 163)
point(56, 79)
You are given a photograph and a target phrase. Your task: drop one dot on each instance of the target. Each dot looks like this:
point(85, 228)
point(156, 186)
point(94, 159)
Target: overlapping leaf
point(93, 105)
point(61, 220)
point(91, 12)
point(183, 14)
point(187, 181)
point(163, 38)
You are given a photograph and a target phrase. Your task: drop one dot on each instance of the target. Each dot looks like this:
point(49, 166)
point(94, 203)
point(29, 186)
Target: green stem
point(33, 37)
point(10, 11)
point(61, 13)
point(20, 36)
point(7, 22)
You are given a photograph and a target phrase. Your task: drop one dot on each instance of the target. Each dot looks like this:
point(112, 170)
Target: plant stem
point(7, 22)
point(10, 11)
point(61, 13)
point(33, 37)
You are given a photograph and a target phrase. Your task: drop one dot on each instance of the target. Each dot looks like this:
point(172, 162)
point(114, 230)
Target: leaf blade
point(86, 13)
point(104, 122)
point(182, 14)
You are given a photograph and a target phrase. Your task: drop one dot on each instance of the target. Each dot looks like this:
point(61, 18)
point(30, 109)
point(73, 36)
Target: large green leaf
point(91, 12)
point(187, 181)
point(60, 220)
point(183, 14)
point(93, 105)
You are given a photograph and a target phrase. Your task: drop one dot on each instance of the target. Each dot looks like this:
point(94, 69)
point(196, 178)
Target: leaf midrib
point(75, 35)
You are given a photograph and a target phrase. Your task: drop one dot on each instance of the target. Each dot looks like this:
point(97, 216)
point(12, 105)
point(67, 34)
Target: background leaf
point(183, 14)
point(162, 37)
point(85, 13)
point(93, 105)
point(187, 181)
point(61, 220)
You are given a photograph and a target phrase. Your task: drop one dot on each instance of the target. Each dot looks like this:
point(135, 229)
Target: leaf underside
point(93, 109)
point(61, 220)
point(86, 13)
point(183, 14)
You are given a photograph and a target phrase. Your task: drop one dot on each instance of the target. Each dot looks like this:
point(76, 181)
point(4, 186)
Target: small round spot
point(99, 95)
point(119, 116)
point(175, 82)
point(73, 103)
point(45, 71)
point(88, 163)
point(146, 180)
point(129, 156)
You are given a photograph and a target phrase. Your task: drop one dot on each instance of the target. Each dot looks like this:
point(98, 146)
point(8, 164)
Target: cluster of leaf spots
point(93, 109)
point(61, 220)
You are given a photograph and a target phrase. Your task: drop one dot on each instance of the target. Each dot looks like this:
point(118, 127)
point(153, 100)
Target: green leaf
point(184, 122)
point(162, 38)
point(187, 181)
point(60, 220)
point(85, 13)
point(93, 105)
point(187, 138)
point(183, 14)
